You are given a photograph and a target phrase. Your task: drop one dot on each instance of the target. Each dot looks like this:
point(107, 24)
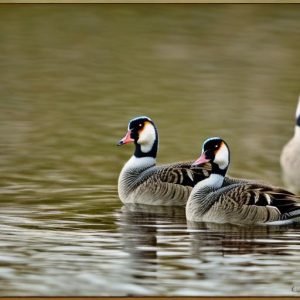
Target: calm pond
point(71, 78)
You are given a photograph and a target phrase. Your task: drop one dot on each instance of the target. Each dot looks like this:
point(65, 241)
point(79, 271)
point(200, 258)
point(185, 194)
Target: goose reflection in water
point(142, 230)
point(160, 243)
point(228, 239)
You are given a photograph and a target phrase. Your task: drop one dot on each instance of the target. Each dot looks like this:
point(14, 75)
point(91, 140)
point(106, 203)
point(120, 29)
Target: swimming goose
point(141, 181)
point(290, 158)
point(244, 202)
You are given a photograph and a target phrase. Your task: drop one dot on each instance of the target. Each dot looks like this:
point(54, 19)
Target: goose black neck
point(298, 121)
point(217, 170)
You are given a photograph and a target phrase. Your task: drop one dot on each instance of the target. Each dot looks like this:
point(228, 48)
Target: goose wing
point(182, 173)
point(170, 184)
point(257, 203)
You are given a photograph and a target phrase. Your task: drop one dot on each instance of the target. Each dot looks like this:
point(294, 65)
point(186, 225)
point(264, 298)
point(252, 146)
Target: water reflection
point(255, 256)
point(227, 239)
point(140, 227)
point(175, 213)
point(139, 240)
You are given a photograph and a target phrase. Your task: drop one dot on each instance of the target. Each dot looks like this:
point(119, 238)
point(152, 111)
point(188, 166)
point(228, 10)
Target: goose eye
point(140, 125)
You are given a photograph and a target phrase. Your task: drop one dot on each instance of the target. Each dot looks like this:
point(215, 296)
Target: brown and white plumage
point(290, 158)
point(244, 202)
point(158, 185)
point(141, 181)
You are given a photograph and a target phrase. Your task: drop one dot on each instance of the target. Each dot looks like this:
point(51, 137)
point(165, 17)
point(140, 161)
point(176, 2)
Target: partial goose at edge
point(290, 158)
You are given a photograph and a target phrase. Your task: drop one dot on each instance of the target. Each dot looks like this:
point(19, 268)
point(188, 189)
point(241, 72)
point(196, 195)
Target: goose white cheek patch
point(147, 137)
point(222, 157)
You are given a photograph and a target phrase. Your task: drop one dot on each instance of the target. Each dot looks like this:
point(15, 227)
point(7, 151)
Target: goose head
point(143, 133)
point(215, 151)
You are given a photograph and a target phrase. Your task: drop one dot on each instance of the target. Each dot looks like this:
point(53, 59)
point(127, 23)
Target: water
point(71, 78)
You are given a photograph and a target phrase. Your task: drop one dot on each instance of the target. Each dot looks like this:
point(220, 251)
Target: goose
point(142, 182)
point(244, 202)
point(290, 158)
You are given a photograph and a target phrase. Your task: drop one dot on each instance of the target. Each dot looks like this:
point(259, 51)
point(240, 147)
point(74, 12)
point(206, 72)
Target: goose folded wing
point(182, 173)
point(285, 202)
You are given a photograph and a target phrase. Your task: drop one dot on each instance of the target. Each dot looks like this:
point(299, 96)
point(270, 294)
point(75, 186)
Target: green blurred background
point(73, 75)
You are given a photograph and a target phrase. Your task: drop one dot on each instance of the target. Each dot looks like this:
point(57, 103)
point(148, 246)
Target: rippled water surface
point(71, 78)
